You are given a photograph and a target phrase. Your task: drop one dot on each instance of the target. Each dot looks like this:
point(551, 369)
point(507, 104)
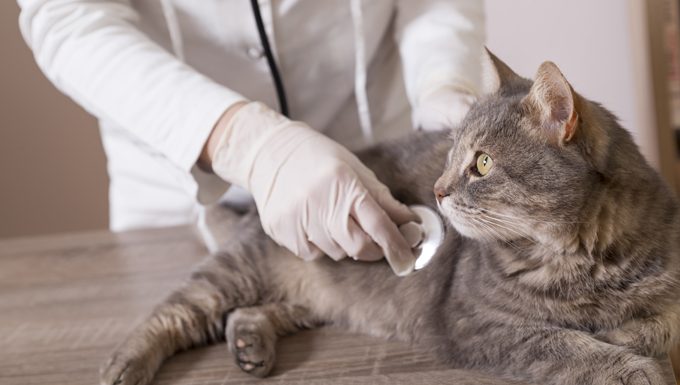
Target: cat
point(560, 263)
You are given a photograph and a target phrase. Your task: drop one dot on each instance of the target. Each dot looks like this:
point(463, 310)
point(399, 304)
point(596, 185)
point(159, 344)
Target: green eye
point(484, 164)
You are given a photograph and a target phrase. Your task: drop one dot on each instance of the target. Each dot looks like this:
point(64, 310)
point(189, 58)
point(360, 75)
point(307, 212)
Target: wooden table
point(66, 301)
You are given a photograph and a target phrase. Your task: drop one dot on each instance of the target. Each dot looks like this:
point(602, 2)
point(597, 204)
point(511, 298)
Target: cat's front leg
point(575, 358)
point(192, 316)
point(650, 336)
point(561, 357)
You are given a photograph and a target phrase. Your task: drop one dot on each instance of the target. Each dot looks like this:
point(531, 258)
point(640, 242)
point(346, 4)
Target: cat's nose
point(441, 192)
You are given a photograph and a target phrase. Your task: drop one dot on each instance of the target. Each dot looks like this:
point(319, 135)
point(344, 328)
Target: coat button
point(255, 53)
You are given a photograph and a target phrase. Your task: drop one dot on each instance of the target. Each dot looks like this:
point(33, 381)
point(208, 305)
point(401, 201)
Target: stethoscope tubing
point(271, 61)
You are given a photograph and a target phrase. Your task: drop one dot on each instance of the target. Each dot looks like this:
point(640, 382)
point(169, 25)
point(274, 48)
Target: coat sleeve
point(440, 43)
point(92, 51)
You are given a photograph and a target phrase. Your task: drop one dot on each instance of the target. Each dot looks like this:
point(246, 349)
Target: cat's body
point(579, 292)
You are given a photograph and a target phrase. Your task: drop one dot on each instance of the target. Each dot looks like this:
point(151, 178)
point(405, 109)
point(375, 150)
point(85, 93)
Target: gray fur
point(566, 271)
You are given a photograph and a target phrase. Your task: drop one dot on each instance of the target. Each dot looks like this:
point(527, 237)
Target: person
point(186, 102)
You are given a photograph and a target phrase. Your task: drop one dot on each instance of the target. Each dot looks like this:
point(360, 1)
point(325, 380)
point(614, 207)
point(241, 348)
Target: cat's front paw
point(632, 370)
point(251, 340)
point(618, 337)
point(637, 337)
point(123, 369)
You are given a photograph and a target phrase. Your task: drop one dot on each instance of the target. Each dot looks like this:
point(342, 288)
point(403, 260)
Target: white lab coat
point(159, 73)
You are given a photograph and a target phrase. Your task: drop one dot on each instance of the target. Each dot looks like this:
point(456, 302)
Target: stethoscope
point(424, 237)
point(273, 68)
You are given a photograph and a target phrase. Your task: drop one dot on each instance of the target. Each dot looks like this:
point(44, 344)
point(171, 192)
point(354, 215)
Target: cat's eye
point(484, 164)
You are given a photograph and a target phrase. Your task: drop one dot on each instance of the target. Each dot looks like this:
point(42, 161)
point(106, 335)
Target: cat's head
point(531, 159)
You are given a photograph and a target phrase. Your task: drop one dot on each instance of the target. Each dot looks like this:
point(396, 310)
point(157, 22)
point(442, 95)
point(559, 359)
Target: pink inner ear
point(570, 126)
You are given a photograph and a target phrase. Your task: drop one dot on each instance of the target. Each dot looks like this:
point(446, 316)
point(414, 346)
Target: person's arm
point(440, 43)
point(313, 194)
point(93, 52)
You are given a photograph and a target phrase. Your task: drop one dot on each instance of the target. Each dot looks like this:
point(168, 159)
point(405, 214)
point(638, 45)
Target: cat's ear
point(495, 73)
point(553, 104)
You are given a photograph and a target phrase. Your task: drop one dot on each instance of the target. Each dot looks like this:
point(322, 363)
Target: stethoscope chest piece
point(424, 237)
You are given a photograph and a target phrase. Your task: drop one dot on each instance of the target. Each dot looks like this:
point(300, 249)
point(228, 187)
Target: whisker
point(481, 227)
point(510, 226)
point(489, 225)
point(495, 233)
point(490, 212)
point(499, 237)
point(502, 224)
point(519, 234)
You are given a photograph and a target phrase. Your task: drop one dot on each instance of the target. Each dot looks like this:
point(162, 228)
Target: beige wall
point(52, 168)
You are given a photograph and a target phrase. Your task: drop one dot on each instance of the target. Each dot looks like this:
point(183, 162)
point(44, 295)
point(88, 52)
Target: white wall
point(600, 46)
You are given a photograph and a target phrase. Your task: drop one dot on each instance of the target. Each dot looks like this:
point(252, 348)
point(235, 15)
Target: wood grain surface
point(66, 301)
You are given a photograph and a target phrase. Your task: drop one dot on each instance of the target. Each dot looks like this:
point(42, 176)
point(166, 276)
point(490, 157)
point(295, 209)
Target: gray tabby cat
point(561, 266)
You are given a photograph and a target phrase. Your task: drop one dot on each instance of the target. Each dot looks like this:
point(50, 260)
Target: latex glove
point(313, 195)
point(442, 108)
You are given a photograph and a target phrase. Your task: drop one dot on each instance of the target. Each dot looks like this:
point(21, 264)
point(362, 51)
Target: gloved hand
point(442, 108)
point(313, 195)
